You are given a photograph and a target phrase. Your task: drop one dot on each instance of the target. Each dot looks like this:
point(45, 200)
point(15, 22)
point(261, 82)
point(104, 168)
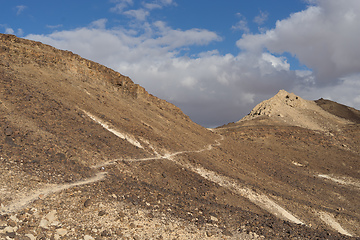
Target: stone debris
point(85, 153)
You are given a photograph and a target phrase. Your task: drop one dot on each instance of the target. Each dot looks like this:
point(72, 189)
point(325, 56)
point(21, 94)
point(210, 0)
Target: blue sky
point(214, 59)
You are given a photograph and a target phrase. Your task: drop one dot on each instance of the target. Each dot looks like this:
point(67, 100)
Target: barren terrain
point(87, 154)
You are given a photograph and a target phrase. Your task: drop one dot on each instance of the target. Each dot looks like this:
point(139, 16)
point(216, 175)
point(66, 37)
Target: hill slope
point(86, 153)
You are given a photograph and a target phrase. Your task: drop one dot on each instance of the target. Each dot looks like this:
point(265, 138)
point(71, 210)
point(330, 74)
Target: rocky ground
point(87, 154)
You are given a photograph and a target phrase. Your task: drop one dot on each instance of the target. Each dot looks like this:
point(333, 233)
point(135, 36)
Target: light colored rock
point(291, 109)
point(29, 235)
point(44, 223)
point(56, 223)
point(61, 231)
point(14, 218)
point(9, 229)
point(88, 237)
point(214, 219)
point(51, 216)
point(49, 219)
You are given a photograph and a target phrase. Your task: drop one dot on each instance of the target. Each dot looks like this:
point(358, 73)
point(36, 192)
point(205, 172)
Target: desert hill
point(87, 154)
point(293, 110)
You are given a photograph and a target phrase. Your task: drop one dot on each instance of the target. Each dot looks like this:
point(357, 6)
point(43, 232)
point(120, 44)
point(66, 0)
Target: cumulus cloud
point(215, 89)
point(324, 37)
point(222, 86)
point(101, 23)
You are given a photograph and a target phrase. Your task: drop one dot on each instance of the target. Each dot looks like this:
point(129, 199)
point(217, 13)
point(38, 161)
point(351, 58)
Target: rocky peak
point(278, 105)
point(293, 110)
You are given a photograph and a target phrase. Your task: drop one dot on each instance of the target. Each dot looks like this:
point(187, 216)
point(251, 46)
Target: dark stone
point(8, 131)
point(87, 203)
point(28, 98)
point(135, 237)
point(105, 233)
point(101, 213)
point(11, 234)
point(61, 156)
point(12, 223)
point(41, 237)
point(227, 233)
point(23, 238)
point(121, 214)
point(10, 141)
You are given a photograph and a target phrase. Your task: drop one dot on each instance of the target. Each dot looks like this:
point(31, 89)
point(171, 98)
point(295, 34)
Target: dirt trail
point(20, 204)
point(257, 198)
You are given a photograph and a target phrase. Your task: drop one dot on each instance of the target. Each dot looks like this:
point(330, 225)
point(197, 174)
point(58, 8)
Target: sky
point(215, 59)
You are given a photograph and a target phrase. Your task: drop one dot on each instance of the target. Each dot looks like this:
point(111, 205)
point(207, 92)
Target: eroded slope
point(86, 153)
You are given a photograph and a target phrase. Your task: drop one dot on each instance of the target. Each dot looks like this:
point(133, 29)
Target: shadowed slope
point(339, 110)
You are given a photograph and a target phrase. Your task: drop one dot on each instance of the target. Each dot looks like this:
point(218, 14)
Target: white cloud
point(18, 33)
point(261, 18)
point(20, 9)
point(101, 23)
point(276, 62)
point(9, 31)
point(139, 14)
point(324, 37)
point(152, 6)
point(345, 93)
point(54, 26)
point(209, 81)
point(121, 5)
point(158, 4)
point(215, 89)
point(242, 24)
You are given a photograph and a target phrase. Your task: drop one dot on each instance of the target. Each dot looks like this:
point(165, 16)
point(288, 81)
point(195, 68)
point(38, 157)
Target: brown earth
point(87, 154)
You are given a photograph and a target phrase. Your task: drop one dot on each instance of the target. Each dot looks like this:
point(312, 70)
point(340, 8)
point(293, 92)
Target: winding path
point(42, 193)
point(257, 198)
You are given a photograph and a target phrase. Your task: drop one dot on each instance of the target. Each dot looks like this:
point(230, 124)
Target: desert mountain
point(290, 109)
point(87, 154)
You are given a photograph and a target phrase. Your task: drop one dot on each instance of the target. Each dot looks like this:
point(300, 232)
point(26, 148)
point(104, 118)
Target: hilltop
point(290, 109)
point(86, 153)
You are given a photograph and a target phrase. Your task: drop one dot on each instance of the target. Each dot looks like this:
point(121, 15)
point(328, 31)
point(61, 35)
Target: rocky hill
point(293, 110)
point(87, 154)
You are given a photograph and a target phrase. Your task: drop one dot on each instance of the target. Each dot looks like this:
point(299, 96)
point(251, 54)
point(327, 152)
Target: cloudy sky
point(215, 59)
